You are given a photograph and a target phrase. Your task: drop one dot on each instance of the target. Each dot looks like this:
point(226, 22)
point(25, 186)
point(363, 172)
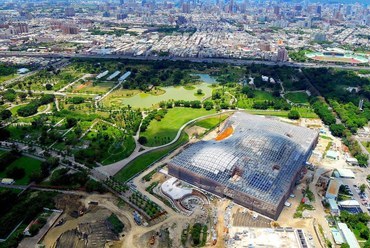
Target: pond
point(145, 100)
point(206, 78)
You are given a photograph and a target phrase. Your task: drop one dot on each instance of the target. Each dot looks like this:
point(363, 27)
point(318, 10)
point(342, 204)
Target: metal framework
point(256, 166)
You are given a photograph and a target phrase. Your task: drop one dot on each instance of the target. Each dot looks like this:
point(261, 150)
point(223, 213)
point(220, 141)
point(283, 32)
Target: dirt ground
point(195, 131)
point(107, 205)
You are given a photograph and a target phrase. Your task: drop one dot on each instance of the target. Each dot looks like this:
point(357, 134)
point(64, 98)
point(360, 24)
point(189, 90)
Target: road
point(200, 60)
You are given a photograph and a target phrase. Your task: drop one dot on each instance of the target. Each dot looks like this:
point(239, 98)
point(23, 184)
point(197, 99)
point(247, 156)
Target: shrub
point(293, 115)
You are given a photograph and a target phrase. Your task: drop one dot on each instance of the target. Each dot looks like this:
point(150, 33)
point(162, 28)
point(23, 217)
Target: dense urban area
point(149, 123)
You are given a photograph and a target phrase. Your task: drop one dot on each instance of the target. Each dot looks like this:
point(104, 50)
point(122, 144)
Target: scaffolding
point(261, 159)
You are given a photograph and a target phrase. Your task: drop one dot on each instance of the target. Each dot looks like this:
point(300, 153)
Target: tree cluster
point(31, 108)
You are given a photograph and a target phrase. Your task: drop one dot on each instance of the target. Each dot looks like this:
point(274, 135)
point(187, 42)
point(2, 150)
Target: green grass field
point(304, 112)
point(162, 132)
point(366, 145)
point(6, 78)
point(297, 97)
point(142, 162)
point(119, 150)
point(28, 164)
point(212, 122)
point(263, 95)
point(247, 103)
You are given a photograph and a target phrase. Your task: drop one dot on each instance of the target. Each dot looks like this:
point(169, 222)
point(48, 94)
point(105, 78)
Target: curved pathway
point(114, 168)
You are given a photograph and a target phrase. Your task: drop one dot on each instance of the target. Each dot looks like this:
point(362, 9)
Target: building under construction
point(256, 161)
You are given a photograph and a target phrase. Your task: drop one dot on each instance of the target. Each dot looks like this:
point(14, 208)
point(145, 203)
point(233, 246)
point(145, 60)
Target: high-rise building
point(264, 46)
point(276, 10)
point(186, 7)
point(282, 54)
point(69, 12)
point(121, 16)
point(231, 6)
point(18, 28)
point(348, 10)
point(69, 29)
point(319, 37)
point(318, 10)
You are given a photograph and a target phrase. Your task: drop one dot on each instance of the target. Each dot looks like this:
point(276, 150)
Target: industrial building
point(254, 160)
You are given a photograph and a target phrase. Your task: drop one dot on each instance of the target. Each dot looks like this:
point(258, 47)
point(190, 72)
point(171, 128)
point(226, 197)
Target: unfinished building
point(255, 161)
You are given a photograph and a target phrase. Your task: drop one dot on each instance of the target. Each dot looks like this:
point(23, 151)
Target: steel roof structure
point(261, 158)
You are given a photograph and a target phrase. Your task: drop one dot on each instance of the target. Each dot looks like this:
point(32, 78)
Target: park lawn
point(297, 97)
point(304, 112)
point(263, 95)
point(164, 131)
point(99, 88)
point(119, 150)
point(259, 96)
point(142, 162)
point(212, 122)
point(366, 145)
point(15, 108)
point(42, 108)
point(28, 164)
point(6, 78)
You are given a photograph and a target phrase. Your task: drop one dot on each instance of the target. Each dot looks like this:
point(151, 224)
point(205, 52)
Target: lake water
point(206, 78)
point(144, 100)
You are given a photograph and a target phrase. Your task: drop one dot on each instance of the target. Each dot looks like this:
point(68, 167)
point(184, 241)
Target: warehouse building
point(255, 161)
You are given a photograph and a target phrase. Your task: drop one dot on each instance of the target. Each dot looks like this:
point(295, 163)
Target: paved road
point(203, 60)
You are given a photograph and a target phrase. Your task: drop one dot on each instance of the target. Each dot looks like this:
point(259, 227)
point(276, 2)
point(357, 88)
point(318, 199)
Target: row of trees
point(279, 104)
point(154, 114)
point(322, 110)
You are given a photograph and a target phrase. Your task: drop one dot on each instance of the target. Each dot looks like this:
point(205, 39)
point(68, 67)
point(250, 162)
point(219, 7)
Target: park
point(84, 110)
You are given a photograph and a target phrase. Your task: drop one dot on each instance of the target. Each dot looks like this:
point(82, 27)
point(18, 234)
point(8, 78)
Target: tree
point(345, 245)
point(71, 122)
point(22, 95)
point(49, 87)
point(293, 115)
point(367, 244)
point(362, 159)
point(143, 140)
point(5, 114)
point(337, 129)
point(15, 173)
point(364, 233)
point(93, 185)
point(362, 188)
point(34, 229)
point(199, 92)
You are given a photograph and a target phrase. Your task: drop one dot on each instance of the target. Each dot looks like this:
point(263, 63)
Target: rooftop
point(348, 235)
point(260, 158)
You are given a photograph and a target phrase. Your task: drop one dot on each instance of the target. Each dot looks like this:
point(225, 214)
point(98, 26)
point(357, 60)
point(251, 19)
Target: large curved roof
point(265, 154)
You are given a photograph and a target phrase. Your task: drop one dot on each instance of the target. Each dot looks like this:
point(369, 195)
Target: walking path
point(114, 168)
